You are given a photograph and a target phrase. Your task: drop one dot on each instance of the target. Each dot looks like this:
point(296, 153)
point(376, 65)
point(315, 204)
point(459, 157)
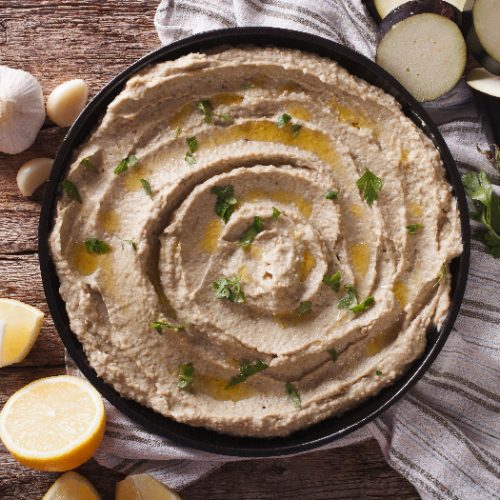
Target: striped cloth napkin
point(444, 435)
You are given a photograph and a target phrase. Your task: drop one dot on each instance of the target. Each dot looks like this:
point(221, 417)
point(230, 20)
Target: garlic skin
point(33, 174)
point(22, 111)
point(66, 102)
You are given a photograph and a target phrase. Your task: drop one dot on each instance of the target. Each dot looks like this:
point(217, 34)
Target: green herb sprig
point(146, 186)
point(369, 186)
point(350, 301)
point(250, 234)
point(294, 395)
point(226, 201)
point(229, 289)
point(413, 228)
point(186, 373)
point(125, 164)
point(71, 190)
point(192, 144)
point(333, 281)
point(96, 246)
point(303, 308)
point(160, 325)
point(247, 369)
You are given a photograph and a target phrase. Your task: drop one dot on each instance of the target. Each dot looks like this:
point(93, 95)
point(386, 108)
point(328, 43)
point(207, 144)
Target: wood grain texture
point(94, 40)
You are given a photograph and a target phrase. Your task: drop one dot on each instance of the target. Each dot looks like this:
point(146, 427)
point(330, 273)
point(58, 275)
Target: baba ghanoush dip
point(253, 240)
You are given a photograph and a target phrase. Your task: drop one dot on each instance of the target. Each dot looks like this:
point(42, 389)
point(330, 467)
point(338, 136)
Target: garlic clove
point(66, 102)
point(33, 174)
point(22, 111)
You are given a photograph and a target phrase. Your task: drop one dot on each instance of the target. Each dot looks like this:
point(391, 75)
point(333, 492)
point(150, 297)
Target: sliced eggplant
point(426, 53)
point(379, 9)
point(483, 81)
point(416, 7)
point(483, 39)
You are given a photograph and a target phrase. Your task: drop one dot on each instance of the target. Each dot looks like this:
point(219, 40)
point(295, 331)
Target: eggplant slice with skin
point(379, 9)
point(483, 39)
point(425, 52)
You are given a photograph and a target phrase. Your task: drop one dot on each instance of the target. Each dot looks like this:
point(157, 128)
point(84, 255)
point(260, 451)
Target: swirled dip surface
point(283, 136)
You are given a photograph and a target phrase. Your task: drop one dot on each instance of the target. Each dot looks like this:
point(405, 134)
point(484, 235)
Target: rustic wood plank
point(95, 40)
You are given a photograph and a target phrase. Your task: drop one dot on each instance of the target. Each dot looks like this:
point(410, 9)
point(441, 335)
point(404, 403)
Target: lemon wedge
point(143, 487)
point(72, 486)
point(19, 328)
point(53, 424)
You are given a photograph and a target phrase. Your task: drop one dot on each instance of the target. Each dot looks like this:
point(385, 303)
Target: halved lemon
point(72, 486)
point(19, 328)
point(53, 424)
point(143, 487)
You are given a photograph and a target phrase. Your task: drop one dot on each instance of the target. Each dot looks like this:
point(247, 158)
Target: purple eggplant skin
point(416, 7)
point(481, 56)
point(372, 10)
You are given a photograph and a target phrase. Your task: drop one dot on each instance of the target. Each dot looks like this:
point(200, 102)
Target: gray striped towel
point(444, 435)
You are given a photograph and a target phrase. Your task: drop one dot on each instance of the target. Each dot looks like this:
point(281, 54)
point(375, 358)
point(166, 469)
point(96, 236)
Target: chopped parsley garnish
point(333, 354)
point(192, 144)
point(293, 394)
point(226, 117)
point(71, 190)
point(442, 272)
point(87, 163)
point(226, 201)
point(369, 186)
point(146, 186)
point(95, 246)
point(296, 129)
point(186, 372)
point(303, 308)
point(414, 228)
point(364, 305)
point(229, 289)
point(247, 369)
point(276, 213)
point(332, 195)
point(206, 108)
point(283, 120)
point(160, 325)
point(178, 132)
point(250, 234)
point(132, 243)
point(378, 373)
point(332, 281)
point(487, 204)
point(494, 157)
point(350, 299)
point(124, 164)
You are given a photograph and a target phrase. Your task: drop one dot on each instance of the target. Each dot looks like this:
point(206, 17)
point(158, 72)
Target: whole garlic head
point(22, 110)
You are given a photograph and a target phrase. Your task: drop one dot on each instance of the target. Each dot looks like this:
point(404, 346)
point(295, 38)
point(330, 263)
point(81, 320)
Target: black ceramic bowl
point(203, 439)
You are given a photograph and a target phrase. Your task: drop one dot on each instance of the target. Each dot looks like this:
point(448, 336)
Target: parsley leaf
point(132, 243)
point(276, 213)
point(369, 185)
point(229, 289)
point(414, 228)
point(350, 299)
point(283, 120)
point(364, 305)
point(332, 281)
point(247, 369)
point(293, 394)
point(192, 144)
point(186, 372)
point(250, 234)
point(378, 373)
point(206, 108)
point(303, 308)
point(226, 201)
point(296, 129)
point(178, 132)
point(333, 354)
point(71, 190)
point(332, 195)
point(146, 186)
point(160, 325)
point(487, 204)
point(95, 246)
point(125, 163)
point(87, 163)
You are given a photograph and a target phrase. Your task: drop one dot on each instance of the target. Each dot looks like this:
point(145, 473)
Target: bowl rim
point(199, 438)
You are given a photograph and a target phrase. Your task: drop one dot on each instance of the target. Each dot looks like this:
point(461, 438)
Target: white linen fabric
point(443, 436)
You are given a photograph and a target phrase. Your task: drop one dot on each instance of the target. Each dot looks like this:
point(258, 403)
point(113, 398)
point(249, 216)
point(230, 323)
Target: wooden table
point(94, 40)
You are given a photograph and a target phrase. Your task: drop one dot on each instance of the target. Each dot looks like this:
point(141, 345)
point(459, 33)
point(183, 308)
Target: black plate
point(327, 430)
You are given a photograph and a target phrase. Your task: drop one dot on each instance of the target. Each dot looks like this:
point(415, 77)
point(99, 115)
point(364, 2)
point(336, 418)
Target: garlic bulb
point(33, 174)
point(22, 110)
